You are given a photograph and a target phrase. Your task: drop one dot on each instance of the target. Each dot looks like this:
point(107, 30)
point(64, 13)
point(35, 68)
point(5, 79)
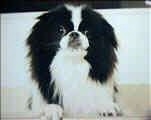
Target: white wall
point(14, 66)
point(131, 27)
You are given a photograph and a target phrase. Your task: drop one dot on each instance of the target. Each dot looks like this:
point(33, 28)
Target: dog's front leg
point(37, 104)
point(52, 112)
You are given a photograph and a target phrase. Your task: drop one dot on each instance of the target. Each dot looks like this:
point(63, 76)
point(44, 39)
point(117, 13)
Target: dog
point(72, 51)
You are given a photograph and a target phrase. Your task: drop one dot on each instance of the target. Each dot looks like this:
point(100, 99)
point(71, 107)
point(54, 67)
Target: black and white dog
point(73, 61)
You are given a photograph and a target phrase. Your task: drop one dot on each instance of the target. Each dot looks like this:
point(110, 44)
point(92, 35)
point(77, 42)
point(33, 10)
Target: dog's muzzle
point(74, 40)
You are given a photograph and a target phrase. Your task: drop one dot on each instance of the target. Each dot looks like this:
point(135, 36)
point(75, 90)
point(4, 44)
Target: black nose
point(74, 35)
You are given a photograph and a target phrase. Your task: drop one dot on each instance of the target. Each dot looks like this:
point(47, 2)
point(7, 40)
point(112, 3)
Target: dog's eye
point(62, 30)
point(86, 32)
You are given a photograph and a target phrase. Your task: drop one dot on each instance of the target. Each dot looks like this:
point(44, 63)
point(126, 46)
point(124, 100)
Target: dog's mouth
point(76, 48)
point(79, 52)
point(75, 44)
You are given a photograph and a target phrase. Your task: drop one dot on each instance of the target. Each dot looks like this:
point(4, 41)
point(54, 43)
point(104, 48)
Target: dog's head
point(74, 28)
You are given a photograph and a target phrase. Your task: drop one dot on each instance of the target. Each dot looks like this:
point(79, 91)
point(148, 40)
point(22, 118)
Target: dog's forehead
point(76, 15)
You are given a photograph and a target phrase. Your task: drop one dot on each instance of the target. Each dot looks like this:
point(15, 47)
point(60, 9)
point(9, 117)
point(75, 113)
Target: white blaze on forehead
point(76, 15)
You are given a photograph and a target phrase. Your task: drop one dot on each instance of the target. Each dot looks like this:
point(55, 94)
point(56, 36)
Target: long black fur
point(43, 45)
point(101, 53)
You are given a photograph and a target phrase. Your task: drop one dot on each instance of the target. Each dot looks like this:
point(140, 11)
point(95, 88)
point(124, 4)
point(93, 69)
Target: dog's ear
point(41, 56)
point(101, 54)
point(38, 34)
point(51, 14)
point(108, 33)
point(103, 30)
point(44, 16)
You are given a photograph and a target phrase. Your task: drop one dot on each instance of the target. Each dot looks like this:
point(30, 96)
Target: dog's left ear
point(109, 33)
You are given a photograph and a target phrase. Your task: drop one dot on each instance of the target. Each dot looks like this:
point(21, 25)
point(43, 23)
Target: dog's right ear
point(47, 16)
point(44, 16)
point(51, 13)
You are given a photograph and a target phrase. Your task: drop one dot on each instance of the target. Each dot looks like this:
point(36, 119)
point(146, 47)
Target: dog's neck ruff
point(76, 88)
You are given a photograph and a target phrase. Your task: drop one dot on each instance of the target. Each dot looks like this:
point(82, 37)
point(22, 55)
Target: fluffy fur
point(78, 76)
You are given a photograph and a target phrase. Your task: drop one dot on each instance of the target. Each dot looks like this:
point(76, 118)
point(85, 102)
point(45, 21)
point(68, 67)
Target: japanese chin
point(73, 63)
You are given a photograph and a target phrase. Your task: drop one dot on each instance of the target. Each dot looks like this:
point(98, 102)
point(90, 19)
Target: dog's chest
point(81, 96)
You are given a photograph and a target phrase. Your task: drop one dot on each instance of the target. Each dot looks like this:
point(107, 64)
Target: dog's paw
point(52, 112)
point(111, 109)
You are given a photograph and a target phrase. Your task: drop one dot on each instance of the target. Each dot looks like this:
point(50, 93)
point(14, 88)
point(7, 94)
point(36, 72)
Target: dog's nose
point(74, 35)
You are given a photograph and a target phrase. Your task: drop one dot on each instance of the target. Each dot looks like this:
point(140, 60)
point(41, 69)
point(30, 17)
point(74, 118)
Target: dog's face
point(78, 29)
point(73, 37)
point(67, 28)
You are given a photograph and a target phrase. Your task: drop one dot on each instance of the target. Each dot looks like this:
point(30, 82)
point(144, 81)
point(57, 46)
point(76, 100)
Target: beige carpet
point(135, 101)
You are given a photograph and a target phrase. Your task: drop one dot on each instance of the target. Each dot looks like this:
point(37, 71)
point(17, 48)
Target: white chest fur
point(81, 96)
